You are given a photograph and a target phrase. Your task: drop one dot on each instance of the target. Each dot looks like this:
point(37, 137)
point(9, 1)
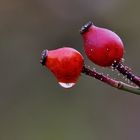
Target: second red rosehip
point(102, 46)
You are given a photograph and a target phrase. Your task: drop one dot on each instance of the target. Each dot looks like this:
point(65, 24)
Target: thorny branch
point(127, 72)
point(114, 83)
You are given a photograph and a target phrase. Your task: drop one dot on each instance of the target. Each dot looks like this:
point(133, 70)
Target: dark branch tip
point(43, 57)
point(86, 27)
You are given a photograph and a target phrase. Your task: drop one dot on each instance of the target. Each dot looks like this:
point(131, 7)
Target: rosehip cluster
point(102, 46)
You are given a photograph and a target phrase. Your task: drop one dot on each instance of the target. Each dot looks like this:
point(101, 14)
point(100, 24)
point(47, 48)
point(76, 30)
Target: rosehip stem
point(127, 72)
point(114, 83)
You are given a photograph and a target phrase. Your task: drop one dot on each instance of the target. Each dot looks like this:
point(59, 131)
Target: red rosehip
point(65, 63)
point(102, 46)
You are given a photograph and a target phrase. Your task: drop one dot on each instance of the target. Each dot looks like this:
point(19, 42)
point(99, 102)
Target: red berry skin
point(101, 45)
point(65, 63)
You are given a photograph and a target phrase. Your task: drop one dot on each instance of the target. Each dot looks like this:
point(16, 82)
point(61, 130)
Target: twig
point(126, 71)
point(114, 83)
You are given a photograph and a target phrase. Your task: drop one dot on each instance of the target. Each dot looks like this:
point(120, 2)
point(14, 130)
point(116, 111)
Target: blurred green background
point(32, 105)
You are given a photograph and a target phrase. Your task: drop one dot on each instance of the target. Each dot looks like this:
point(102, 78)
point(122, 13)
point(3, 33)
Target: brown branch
point(114, 83)
point(127, 72)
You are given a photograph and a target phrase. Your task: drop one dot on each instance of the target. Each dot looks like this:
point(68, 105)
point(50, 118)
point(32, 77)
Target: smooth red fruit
point(102, 46)
point(65, 63)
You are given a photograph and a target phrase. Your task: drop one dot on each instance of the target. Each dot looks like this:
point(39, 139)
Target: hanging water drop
point(66, 85)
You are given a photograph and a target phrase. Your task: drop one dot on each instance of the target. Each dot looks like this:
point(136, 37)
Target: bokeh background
point(32, 105)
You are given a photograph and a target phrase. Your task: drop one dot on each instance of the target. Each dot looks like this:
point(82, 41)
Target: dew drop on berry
point(66, 85)
point(107, 49)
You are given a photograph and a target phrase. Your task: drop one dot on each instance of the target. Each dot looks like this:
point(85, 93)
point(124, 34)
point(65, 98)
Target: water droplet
point(115, 61)
point(121, 66)
point(112, 68)
point(119, 74)
point(131, 83)
point(117, 66)
point(102, 74)
point(122, 60)
point(66, 85)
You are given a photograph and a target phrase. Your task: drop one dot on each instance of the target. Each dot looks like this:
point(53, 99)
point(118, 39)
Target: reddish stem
point(100, 77)
point(127, 72)
point(114, 83)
